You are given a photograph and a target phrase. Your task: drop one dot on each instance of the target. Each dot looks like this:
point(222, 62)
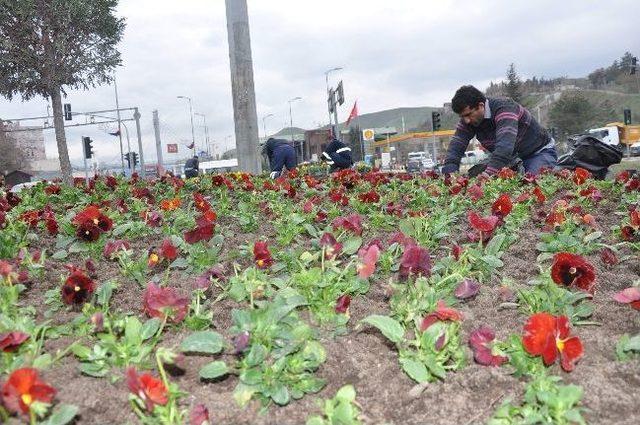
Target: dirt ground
point(365, 359)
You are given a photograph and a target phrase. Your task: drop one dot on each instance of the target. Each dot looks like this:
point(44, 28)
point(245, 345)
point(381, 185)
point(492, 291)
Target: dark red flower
point(475, 192)
point(573, 270)
point(3, 219)
point(332, 248)
point(342, 304)
point(456, 251)
point(23, 388)
point(548, 336)
point(481, 341)
point(10, 341)
point(442, 313)
point(507, 173)
point(78, 288)
point(580, 175)
point(468, 288)
point(623, 176)
point(628, 233)
point(111, 248)
point(370, 197)
point(199, 415)
point(31, 217)
point(401, 239)
point(160, 302)
point(203, 232)
point(540, 197)
point(502, 206)
point(168, 250)
point(482, 224)
point(150, 390)
point(608, 257)
point(415, 260)
point(261, 255)
point(204, 280)
point(351, 223)
point(200, 202)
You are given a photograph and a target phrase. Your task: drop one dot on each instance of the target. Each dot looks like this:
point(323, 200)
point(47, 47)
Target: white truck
point(424, 158)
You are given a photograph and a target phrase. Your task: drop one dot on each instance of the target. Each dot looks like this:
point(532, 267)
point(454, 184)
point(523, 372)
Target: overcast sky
point(394, 53)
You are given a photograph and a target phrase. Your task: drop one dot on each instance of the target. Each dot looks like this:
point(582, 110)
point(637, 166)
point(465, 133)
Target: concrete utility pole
point(242, 87)
point(136, 116)
point(156, 130)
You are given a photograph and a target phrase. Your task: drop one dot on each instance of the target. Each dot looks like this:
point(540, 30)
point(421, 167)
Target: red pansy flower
point(112, 247)
point(202, 232)
point(170, 204)
point(368, 258)
point(261, 255)
point(537, 192)
point(10, 341)
point(629, 296)
point(580, 175)
point(573, 270)
point(482, 224)
point(502, 206)
point(199, 415)
point(160, 302)
point(78, 288)
point(23, 388)
point(548, 336)
point(332, 248)
point(342, 304)
point(415, 260)
point(442, 313)
point(475, 192)
point(608, 256)
point(370, 197)
point(351, 223)
point(481, 341)
point(151, 390)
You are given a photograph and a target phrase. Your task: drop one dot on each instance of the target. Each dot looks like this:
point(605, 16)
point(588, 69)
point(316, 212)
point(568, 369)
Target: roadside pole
point(84, 157)
point(136, 116)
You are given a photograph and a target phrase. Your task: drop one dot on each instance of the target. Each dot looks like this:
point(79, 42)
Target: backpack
point(592, 154)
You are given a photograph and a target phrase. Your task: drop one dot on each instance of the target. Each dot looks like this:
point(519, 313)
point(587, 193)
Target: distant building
point(29, 139)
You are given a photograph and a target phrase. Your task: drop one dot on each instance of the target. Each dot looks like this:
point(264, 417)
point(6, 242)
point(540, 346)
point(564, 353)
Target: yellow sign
point(368, 134)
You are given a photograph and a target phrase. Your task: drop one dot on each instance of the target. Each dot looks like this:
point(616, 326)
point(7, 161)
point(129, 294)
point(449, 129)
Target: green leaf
point(311, 230)
point(214, 370)
point(243, 393)
point(352, 245)
point(281, 395)
point(346, 393)
point(592, 237)
point(78, 246)
point(436, 368)
point(104, 293)
point(93, 369)
point(43, 361)
point(416, 370)
point(495, 244)
point(62, 415)
point(388, 326)
point(316, 420)
point(150, 328)
point(256, 355)
point(206, 342)
point(179, 263)
point(59, 255)
point(133, 331)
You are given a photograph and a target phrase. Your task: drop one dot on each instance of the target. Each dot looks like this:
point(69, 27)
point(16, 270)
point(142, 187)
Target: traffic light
point(88, 149)
point(435, 120)
point(135, 159)
point(627, 117)
point(127, 157)
point(340, 91)
point(67, 112)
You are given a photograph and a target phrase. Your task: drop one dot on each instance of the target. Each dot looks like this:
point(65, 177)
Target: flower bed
point(357, 297)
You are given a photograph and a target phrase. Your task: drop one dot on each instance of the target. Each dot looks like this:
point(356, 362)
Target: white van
point(424, 159)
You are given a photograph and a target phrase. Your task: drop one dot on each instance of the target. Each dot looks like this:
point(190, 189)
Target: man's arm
point(506, 119)
point(457, 147)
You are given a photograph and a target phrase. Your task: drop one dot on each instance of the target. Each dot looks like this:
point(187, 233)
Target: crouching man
point(337, 155)
point(281, 155)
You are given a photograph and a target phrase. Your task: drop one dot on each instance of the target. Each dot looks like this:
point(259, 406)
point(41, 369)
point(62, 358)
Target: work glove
point(274, 174)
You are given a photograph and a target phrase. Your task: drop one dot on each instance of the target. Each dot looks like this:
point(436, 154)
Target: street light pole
point(326, 77)
point(290, 101)
point(264, 125)
point(206, 130)
point(193, 134)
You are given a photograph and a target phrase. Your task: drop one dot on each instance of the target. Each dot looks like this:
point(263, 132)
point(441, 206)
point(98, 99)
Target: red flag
point(190, 145)
point(353, 114)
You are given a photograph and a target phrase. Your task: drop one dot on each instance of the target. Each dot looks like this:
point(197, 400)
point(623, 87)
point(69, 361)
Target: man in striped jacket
point(503, 127)
point(338, 155)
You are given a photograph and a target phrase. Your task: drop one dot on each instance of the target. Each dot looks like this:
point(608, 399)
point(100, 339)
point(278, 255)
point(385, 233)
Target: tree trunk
point(61, 138)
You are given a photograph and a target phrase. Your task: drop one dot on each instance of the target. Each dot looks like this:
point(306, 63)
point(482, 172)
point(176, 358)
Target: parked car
point(634, 149)
point(425, 160)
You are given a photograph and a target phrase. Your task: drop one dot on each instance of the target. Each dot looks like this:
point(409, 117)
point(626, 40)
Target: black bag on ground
point(593, 155)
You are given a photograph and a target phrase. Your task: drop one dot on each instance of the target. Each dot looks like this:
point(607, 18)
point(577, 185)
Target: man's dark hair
point(466, 96)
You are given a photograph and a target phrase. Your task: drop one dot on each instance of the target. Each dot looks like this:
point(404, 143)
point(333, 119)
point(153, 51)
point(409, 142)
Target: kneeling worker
point(338, 155)
point(191, 167)
point(503, 127)
point(281, 155)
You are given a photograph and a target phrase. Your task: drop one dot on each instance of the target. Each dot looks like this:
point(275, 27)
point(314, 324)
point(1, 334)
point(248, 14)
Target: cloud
point(400, 53)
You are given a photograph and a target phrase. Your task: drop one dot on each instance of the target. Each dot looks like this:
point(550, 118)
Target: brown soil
point(366, 360)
